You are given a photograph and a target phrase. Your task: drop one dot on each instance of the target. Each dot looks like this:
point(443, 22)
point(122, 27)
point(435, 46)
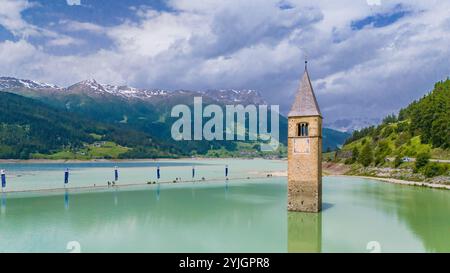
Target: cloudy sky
point(367, 58)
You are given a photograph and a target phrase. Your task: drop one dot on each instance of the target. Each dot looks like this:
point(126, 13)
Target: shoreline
point(380, 179)
point(400, 182)
point(37, 161)
point(341, 170)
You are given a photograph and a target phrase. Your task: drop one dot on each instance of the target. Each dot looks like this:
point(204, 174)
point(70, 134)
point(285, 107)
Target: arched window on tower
point(302, 129)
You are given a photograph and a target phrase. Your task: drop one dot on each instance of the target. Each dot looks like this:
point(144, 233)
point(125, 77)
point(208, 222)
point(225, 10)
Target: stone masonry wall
point(305, 169)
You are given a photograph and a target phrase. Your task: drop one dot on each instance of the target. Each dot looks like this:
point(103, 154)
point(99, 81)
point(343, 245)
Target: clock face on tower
point(301, 146)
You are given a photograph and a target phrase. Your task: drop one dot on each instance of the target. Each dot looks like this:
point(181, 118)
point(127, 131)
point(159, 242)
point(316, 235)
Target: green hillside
point(420, 130)
point(32, 129)
point(152, 119)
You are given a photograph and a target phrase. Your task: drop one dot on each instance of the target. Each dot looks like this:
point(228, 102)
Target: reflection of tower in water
point(304, 232)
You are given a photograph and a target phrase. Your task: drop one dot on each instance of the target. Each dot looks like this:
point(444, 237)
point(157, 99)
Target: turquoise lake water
point(241, 215)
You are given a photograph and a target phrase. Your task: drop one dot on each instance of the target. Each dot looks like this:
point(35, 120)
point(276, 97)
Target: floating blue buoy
point(116, 174)
point(3, 174)
point(66, 176)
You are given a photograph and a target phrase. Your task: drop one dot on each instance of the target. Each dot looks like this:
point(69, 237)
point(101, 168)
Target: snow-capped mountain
point(11, 83)
point(87, 86)
point(233, 96)
point(93, 88)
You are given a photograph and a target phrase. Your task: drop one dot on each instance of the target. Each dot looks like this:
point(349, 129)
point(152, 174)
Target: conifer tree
point(366, 155)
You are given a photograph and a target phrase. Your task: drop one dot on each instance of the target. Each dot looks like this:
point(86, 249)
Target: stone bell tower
point(305, 150)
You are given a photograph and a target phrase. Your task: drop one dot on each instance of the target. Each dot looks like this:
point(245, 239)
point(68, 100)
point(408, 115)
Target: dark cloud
point(365, 61)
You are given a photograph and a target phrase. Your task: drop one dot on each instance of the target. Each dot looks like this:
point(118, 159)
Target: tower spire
point(305, 103)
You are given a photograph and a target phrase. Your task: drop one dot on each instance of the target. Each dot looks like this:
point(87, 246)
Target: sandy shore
point(381, 179)
point(333, 169)
point(400, 182)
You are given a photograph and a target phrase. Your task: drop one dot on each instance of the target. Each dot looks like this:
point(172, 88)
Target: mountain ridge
point(149, 111)
point(227, 95)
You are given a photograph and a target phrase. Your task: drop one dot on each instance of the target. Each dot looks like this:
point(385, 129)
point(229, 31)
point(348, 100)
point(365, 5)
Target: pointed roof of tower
point(305, 103)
